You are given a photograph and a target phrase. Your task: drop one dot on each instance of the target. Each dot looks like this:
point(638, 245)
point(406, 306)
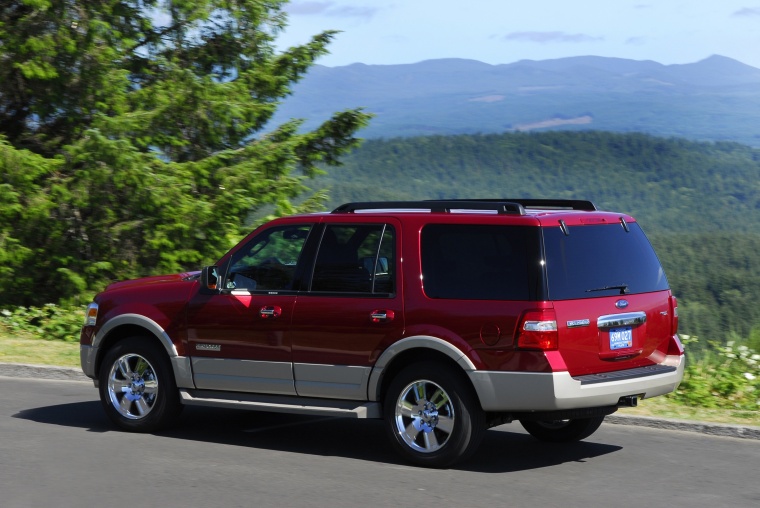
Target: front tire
point(562, 431)
point(432, 416)
point(137, 387)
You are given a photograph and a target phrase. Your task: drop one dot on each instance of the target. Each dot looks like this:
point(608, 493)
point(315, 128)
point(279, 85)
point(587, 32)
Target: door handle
point(270, 312)
point(382, 316)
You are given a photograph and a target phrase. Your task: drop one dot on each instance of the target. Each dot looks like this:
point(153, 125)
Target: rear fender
point(420, 342)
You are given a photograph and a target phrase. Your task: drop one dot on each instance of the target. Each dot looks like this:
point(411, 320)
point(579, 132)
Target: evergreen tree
point(135, 136)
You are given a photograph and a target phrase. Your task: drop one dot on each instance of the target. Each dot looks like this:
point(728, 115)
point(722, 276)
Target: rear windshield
point(600, 260)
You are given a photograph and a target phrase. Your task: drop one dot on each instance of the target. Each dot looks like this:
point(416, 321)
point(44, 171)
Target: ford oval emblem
point(621, 304)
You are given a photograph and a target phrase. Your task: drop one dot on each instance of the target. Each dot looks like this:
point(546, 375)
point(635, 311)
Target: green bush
point(725, 376)
point(47, 322)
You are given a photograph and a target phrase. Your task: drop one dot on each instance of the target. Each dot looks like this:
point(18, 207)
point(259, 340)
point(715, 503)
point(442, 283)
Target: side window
point(268, 262)
point(478, 262)
point(356, 259)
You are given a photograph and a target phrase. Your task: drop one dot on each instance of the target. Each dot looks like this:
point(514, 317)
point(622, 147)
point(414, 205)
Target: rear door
point(610, 294)
point(351, 310)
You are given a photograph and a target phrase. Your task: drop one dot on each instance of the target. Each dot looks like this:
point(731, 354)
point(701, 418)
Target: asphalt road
point(58, 450)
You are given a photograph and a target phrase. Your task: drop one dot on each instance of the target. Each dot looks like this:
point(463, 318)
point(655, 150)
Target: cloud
point(635, 41)
point(544, 37)
point(329, 9)
point(747, 11)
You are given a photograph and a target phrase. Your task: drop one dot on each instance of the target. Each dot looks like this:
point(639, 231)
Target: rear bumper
point(533, 391)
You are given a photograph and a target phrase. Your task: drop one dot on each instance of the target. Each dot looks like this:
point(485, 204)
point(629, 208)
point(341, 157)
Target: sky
point(505, 31)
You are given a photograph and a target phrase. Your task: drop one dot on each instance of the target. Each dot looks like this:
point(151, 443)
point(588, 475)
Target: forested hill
point(670, 185)
point(698, 202)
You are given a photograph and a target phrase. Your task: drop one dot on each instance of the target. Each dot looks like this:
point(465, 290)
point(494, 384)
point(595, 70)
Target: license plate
point(621, 338)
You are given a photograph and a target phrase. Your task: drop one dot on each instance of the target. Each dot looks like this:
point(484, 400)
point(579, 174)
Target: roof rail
point(500, 206)
point(560, 204)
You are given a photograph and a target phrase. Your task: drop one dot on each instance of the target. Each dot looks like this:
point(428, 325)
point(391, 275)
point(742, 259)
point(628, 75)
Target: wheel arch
point(410, 350)
point(130, 325)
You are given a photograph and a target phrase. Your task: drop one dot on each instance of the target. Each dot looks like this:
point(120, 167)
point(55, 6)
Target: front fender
point(142, 322)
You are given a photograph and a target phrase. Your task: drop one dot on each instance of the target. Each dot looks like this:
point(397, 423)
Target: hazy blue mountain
point(715, 99)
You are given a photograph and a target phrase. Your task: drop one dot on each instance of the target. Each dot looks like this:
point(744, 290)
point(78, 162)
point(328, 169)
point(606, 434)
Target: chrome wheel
point(137, 387)
point(424, 416)
point(132, 386)
point(432, 415)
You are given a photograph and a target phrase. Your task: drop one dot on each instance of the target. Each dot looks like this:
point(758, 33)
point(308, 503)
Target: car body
point(441, 317)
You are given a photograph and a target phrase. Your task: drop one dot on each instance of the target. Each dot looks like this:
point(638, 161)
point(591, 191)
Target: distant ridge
point(717, 98)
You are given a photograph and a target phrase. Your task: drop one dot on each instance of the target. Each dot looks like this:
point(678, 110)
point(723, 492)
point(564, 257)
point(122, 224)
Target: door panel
point(250, 349)
point(352, 311)
point(238, 338)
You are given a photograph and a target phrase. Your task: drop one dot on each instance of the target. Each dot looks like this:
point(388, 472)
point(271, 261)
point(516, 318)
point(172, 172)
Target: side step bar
point(281, 404)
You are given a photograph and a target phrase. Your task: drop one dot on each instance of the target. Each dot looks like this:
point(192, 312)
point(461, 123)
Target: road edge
point(714, 429)
point(26, 370)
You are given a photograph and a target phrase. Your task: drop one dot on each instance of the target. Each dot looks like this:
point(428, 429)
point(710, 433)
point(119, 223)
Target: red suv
point(443, 318)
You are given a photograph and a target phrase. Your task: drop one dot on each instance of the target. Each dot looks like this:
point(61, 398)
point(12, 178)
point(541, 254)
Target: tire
point(562, 431)
point(137, 387)
point(432, 415)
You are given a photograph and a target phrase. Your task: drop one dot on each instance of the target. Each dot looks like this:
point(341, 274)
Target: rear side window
point(471, 262)
point(591, 258)
point(356, 259)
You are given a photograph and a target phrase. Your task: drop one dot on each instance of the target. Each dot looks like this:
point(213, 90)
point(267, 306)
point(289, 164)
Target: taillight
point(674, 313)
point(538, 330)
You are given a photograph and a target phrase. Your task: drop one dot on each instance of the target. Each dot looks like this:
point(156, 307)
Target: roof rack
point(559, 204)
point(500, 206)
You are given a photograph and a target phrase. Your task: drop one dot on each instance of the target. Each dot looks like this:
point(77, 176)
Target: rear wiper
point(623, 288)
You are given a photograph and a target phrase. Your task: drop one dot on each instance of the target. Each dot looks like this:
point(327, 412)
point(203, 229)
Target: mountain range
point(716, 99)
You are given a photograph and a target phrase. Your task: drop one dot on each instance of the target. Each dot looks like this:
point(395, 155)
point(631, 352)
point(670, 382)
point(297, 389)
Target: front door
point(238, 339)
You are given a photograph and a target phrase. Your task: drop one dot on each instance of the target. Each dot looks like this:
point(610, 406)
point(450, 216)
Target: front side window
point(355, 259)
point(269, 261)
point(472, 262)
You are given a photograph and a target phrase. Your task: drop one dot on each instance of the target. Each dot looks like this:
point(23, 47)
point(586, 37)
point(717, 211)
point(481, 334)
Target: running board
point(281, 404)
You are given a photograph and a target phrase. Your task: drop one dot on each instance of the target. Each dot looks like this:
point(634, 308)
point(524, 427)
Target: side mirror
point(209, 280)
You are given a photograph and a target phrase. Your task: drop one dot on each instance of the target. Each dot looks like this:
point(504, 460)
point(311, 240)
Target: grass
point(665, 407)
point(23, 347)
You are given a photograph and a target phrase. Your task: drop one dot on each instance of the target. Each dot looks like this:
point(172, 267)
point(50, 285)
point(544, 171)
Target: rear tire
point(137, 387)
point(562, 431)
point(432, 415)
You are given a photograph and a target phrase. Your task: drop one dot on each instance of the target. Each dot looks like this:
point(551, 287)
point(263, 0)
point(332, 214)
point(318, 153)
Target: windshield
point(600, 260)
